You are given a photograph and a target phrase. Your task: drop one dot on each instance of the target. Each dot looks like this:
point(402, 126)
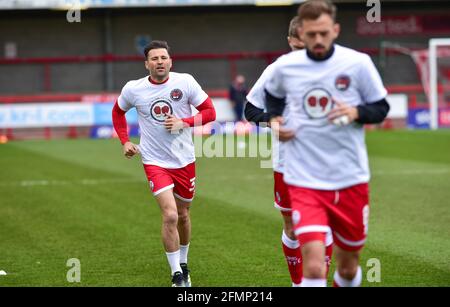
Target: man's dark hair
point(293, 26)
point(156, 45)
point(313, 9)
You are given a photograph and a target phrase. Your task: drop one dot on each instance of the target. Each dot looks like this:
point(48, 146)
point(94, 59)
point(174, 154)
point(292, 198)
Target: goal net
point(433, 67)
point(438, 91)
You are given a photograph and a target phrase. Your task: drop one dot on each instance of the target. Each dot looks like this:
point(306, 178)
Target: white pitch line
point(249, 177)
point(41, 183)
point(412, 172)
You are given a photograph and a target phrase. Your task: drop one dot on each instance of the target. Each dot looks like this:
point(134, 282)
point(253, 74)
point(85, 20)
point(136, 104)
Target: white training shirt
point(257, 97)
point(322, 155)
point(153, 102)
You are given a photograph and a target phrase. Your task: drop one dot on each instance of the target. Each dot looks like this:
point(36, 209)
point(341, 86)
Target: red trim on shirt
point(120, 123)
point(206, 114)
point(157, 83)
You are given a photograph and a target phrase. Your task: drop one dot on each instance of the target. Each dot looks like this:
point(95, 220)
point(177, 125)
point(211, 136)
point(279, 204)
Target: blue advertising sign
point(419, 118)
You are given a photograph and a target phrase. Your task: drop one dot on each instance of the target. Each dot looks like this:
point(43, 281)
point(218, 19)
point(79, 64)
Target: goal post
point(433, 46)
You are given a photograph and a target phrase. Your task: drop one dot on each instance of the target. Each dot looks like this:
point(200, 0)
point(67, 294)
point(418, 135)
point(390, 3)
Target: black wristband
point(254, 114)
point(373, 113)
point(275, 106)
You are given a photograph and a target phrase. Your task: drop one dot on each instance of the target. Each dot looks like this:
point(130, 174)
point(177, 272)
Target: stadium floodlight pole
point(433, 96)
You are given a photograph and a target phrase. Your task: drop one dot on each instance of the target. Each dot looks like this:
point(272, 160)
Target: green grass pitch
point(81, 199)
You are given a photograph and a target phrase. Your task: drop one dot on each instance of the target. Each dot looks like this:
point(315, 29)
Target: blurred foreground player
point(163, 101)
point(331, 92)
point(254, 112)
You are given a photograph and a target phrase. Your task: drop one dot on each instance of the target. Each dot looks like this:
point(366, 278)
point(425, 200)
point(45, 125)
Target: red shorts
point(280, 191)
point(182, 180)
point(345, 212)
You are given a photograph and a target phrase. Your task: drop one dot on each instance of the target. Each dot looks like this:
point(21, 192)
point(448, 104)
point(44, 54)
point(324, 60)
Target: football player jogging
point(330, 92)
point(254, 112)
point(163, 101)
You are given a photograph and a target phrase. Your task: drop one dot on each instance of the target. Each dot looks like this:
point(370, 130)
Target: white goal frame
point(434, 43)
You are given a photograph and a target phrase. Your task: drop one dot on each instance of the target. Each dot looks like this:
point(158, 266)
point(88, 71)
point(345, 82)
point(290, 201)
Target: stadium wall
point(195, 30)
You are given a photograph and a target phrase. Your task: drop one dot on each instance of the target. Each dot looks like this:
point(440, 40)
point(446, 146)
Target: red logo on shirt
point(317, 103)
point(176, 94)
point(160, 109)
point(342, 82)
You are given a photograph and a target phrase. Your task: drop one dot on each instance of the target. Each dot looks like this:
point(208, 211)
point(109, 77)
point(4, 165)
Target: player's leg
point(184, 230)
point(184, 190)
point(349, 220)
point(348, 272)
point(169, 234)
point(169, 213)
point(310, 221)
point(161, 185)
point(289, 242)
point(292, 251)
point(313, 252)
point(184, 224)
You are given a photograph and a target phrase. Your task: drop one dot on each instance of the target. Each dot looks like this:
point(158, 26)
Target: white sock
point(309, 282)
point(296, 285)
point(174, 261)
point(342, 282)
point(184, 249)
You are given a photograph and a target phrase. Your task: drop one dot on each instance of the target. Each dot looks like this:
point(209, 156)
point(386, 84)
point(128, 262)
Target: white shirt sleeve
point(257, 95)
point(370, 84)
point(274, 84)
point(196, 94)
point(125, 100)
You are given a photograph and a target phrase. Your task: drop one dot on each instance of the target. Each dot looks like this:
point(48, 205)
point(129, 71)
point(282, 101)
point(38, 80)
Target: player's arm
point(255, 114)
point(254, 109)
point(369, 113)
point(206, 113)
point(274, 91)
point(121, 127)
point(275, 107)
point(373, 113)
point(376, 108)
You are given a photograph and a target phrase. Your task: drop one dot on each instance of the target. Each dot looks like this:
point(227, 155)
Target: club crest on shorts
point(342, 82)
point(176, 94)
point(317, 103)
point(152, 185)
point(160, 109)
